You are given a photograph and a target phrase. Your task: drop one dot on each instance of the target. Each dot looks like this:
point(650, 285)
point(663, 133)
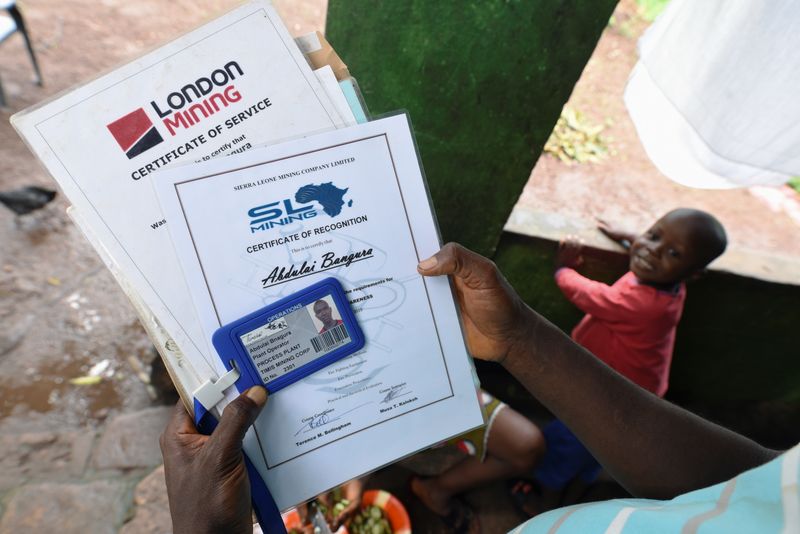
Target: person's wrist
point(200, 522)
point(199, 527)
point(523, 342)
point(562, 264)
point(191, 526)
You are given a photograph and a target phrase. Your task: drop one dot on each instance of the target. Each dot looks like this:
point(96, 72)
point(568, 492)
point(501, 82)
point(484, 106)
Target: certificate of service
point(252, 228)
point(235, 83)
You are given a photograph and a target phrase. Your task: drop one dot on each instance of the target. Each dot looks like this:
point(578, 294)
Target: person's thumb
point(473, 269)
point(236, 419)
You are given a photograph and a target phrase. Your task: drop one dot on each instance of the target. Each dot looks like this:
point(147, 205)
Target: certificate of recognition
point(253, 228)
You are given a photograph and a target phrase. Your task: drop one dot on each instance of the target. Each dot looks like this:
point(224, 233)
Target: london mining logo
point(135, 133)
point(182, 109)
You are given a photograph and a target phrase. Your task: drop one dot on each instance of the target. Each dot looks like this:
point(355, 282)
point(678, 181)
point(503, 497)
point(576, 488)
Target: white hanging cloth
point(715, 96)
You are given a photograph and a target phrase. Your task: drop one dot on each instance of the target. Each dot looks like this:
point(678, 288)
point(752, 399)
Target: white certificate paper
point(235, 83)
point(252, 228)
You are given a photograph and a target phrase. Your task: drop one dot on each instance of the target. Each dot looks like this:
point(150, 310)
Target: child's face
point(666, 253)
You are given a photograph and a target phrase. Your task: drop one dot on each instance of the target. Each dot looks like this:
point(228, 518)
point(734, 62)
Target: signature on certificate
point(323, 418)
point(394, 392)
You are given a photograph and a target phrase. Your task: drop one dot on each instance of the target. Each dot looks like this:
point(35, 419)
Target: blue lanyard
point(267, 513)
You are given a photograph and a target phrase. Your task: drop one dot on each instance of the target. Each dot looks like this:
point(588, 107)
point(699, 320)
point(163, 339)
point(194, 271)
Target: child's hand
point(570, 253)
point(352, 492)
point(620, 236)
point(607, 229)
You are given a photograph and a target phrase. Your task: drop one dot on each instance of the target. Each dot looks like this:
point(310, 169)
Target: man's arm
point(653, 448)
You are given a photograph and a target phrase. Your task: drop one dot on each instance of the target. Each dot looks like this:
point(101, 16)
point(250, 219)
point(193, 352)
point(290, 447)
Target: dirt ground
point(69, 459)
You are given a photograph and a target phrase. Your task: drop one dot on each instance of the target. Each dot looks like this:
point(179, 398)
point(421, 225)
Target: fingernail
point(257, 394)
point(430, 263)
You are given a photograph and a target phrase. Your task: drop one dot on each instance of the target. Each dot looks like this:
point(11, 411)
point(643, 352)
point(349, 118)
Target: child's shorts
point(566, 458)
point(475, 442)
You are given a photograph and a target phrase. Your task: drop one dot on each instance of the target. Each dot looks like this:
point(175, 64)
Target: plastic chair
point(10, 24)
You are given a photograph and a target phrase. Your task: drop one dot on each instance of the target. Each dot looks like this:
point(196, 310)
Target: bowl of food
point(381, 513)
point(292, 521)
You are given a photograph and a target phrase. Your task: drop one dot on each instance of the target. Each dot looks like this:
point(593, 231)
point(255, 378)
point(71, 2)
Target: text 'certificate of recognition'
point(252, 228)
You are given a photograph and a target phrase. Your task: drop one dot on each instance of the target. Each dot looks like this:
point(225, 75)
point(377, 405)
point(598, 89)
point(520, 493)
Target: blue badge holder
point(228, 339)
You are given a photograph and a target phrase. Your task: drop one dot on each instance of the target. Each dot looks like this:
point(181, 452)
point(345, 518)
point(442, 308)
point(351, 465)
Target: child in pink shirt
point(630, 325)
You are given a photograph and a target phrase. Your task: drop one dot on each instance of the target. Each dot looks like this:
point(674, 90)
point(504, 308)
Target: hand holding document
point(203, 224)
point(253, 228)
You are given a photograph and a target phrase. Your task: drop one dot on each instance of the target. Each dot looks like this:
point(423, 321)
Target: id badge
point(292, 338)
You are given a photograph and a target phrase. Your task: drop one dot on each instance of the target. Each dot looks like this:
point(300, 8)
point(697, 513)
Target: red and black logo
point(135, 133)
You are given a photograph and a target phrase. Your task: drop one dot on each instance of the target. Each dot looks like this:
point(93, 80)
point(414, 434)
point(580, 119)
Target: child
point(630, 326)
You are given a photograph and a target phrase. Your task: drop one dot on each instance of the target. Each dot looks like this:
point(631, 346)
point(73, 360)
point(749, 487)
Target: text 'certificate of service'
point(252, 228)
point(234, 83)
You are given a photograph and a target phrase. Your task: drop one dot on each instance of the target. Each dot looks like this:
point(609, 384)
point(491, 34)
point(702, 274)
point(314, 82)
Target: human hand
point(349, 491)
point(352, 492)
point(615, 234)
point(495, 318)
point(570, 252)
point(207, 482)
point(606, 229)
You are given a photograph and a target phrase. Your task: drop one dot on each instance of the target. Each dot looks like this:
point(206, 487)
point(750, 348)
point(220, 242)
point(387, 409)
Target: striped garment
point(762, 500)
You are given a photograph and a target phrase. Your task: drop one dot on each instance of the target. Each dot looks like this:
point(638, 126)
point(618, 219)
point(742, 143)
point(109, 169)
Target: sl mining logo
point(329, 197)
point(135, 133)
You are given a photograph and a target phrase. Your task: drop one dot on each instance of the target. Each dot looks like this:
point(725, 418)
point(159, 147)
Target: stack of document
point(307, 189)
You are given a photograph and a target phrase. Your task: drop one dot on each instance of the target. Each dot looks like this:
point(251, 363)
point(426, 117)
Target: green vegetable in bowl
point(370, 520)
point(339, 507)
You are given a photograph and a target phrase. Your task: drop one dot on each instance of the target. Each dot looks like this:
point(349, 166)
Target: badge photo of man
point(324, 313)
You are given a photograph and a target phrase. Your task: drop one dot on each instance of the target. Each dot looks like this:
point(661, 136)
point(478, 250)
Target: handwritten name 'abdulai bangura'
point(329, 260)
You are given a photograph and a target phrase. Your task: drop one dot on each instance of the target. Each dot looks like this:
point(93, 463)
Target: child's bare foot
point(454, 513)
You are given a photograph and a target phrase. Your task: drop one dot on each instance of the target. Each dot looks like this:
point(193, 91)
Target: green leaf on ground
point(575, 139)
point(86, 380)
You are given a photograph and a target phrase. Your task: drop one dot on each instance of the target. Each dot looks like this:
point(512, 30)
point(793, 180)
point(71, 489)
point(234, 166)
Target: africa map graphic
point(330, 197)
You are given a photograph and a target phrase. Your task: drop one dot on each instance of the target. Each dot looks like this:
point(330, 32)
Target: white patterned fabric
point(714, 95)
point(763, 500)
